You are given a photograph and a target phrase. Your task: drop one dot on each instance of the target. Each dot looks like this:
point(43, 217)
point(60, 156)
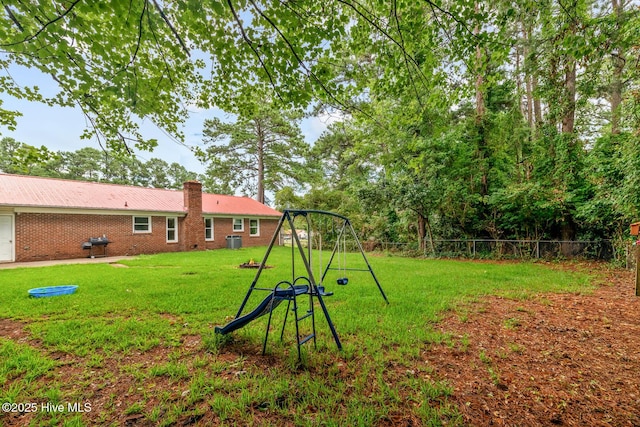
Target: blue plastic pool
point(52, 291)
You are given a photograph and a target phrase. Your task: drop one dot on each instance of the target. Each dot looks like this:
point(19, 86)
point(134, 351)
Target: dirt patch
point(13, 330)
point(556, 359)
point(253, 265)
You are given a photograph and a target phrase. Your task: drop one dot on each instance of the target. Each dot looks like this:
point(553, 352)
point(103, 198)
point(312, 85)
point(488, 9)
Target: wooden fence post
point(635, 231)
point(637, 248)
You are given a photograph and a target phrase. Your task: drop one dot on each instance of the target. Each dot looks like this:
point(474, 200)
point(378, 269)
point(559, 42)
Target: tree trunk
point(480, 106)
point(260, 154)
point(616, 94)
point(532, 123)
point(568, 234)
point(533, 70)
point(527, 79)
point(430, 232)
point(569, 113)
point(537, 107)
point(422, 232)
point(480, 110)
point(617, 58)
point(518, 76)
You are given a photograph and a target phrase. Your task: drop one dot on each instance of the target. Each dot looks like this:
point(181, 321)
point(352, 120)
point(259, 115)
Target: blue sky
point(59, 128)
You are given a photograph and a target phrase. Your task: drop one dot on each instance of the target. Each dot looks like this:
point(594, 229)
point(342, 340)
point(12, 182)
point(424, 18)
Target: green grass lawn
point(137, 343)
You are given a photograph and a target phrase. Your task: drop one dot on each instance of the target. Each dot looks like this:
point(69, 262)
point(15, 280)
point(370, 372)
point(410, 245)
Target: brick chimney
point(193, 225)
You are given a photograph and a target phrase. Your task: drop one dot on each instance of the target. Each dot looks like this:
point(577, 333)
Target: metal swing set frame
point(290, 290)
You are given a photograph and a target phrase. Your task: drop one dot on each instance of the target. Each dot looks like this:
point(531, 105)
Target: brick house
point(45, 218)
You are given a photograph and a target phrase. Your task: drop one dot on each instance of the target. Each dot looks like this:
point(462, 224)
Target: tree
point(156, 172)
point(9, 154)
point(335, 159)
point(20, 158)
point(286, 198)
point(83, 164)
point(178, 175)
point(263, 150)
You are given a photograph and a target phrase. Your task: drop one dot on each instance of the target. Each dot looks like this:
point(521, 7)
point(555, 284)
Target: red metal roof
point(233, 205)
point(31, 191)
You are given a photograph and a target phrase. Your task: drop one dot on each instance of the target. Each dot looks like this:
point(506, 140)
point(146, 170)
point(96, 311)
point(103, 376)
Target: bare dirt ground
point(556, 359)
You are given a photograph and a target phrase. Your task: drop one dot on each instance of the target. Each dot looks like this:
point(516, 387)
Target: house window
point(208, 229)
point(172, 229)
point(142, 224)
point(254, 227)
point(238, 224)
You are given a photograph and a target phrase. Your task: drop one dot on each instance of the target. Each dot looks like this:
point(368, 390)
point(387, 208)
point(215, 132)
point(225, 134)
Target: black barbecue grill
point(93, 242)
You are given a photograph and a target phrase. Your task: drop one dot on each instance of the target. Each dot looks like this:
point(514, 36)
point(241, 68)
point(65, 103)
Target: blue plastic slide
point(267, 305)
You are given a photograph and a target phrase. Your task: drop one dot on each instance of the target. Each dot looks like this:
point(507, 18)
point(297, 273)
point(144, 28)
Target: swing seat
point(343, 281)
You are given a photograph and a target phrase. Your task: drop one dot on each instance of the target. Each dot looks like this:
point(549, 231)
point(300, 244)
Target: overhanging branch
point(173, 30)
point(44, 27)
point(253, 48)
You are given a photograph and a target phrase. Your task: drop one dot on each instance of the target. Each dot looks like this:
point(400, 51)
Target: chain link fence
point(617, 251)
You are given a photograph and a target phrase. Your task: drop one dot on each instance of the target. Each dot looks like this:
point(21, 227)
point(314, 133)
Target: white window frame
point(257, 233)
point(148, 230)
point(174, 229)
point(212, 228)
point(233, 225)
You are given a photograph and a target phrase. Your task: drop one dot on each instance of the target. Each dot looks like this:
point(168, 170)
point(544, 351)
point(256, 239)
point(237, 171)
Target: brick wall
point(223, 227)
point(42, 236)
point(45, 236)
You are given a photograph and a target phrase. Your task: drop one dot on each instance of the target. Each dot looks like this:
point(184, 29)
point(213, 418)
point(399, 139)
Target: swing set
point(305, 284)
